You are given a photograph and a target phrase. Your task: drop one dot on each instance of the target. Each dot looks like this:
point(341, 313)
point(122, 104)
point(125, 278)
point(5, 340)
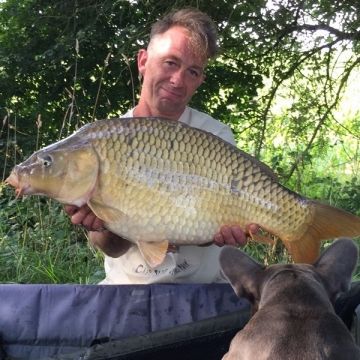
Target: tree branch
point(323, 118)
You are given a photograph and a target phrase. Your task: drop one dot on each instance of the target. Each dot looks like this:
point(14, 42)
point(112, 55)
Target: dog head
point(329, 275)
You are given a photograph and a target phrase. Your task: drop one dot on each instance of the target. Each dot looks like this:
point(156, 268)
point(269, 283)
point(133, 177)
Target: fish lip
point(13, 180)
point(21, 188)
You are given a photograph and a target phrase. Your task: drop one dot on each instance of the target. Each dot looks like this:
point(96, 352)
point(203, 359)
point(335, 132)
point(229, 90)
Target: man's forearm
point(109, 243)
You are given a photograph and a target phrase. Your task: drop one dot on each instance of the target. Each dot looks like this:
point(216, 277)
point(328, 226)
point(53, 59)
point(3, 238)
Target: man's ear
point(141, 60)
point(203, 77)
point(201, 80)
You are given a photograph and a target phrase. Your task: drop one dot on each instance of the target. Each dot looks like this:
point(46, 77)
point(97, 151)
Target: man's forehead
point(176, 43)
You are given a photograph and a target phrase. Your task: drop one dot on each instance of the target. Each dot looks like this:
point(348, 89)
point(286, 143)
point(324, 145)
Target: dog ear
point(242, 272)
point(337, 264)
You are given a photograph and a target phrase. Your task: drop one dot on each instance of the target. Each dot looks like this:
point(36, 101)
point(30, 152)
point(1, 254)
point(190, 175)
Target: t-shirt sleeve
point(205, 122)
point(226, 134)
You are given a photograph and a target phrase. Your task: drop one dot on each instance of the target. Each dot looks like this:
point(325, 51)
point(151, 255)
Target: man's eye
point(170, 63)
point(193, 73)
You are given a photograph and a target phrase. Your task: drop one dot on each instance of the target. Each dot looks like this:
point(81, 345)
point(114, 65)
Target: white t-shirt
point(193, 264)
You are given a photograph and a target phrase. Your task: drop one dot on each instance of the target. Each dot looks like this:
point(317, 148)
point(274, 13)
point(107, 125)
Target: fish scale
point(159, 182)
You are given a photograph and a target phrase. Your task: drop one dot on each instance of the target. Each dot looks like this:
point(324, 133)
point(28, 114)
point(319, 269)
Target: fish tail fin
point(327, 223)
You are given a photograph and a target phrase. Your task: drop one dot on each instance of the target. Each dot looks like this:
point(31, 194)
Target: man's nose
point(177, 78)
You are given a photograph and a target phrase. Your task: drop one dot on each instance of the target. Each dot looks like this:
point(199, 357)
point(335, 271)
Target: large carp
point(159, 182)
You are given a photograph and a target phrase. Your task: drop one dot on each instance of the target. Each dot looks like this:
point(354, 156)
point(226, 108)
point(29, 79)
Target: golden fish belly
point(172, 182)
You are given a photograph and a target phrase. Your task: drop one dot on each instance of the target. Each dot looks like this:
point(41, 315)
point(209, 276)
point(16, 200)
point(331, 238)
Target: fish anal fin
point(262, 239)
point(104, 212)
point(153, 252)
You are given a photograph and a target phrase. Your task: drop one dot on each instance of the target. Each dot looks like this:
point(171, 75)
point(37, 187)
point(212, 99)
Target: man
point(172, 68)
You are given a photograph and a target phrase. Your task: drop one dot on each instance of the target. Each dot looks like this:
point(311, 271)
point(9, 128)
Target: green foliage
point(38, 244)
point(279, 83)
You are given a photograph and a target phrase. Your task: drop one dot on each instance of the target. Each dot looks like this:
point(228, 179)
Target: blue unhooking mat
point(127, 322)
point(113, 322)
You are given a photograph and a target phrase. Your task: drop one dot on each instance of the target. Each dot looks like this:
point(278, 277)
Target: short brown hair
point(203, 32)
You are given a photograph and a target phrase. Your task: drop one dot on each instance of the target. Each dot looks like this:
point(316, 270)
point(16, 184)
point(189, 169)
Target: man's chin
point(167, 108)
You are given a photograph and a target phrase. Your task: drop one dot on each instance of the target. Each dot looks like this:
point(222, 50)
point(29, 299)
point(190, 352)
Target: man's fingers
point(234, 235)
point(253, 228)
point(70, 209)
point(228, 236)
point(224, 237)
point(85, 217)
point(92, 223)
point(238, 235)
point(78, 216)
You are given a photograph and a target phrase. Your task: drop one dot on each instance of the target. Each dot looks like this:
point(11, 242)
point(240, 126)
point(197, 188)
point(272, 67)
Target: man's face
point(172, 73)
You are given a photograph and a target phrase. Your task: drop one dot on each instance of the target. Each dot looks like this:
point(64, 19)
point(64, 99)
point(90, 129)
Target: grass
point(38, 244)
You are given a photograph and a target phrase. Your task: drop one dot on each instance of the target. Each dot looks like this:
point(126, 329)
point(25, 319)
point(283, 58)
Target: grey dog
point(293, 316)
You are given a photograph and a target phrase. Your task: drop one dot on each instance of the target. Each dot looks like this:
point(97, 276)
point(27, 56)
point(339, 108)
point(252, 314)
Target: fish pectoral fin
point(262, 239)
point(105, 212)
point(153, 252)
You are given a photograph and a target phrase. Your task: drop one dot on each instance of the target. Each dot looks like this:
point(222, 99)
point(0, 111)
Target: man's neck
point(145, 111)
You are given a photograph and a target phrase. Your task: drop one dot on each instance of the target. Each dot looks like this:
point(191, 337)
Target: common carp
point(159, 183)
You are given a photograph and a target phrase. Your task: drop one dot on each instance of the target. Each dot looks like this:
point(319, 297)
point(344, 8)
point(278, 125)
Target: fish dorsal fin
point(154, 252)
point(104, 212)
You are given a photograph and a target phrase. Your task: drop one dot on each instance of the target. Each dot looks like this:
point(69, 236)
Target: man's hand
point(109, 243)
point(85, 217)
point(234, 235)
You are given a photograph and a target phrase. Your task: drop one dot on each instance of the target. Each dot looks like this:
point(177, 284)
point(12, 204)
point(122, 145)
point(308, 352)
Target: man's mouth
point(172, 94)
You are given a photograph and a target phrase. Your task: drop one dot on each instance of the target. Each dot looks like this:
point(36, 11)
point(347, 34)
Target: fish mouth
point(20, 188)
point(13, 180)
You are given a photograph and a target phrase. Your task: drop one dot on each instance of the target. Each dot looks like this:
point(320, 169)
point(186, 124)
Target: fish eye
point(46, 160)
